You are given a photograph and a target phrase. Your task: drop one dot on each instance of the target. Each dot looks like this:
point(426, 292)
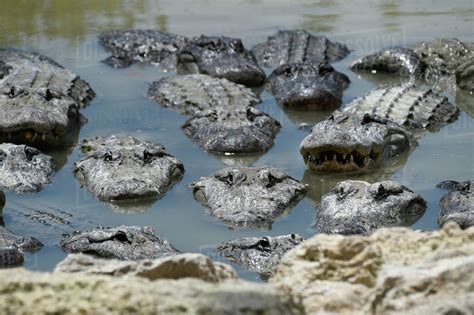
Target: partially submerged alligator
point(356, 207)
point(39, 100)
point(123, 168)
point(24, 169)
point(435, 61)
point(142, 45)
point(259, 254)
point(308, 85)
point(248, 197)
point(232, 130)
point(123, 242)
point(458, 204)
point(221, 57)
point(298, 46)
point(192, 94)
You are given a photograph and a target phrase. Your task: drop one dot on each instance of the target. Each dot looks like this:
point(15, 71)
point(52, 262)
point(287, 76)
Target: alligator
point(259, 254)
point(355, 141)
point(221, 57)
point(297, 46)
point(194, 93)
point(232, 130)
point(436, 61)
point(308, 85)
point(24, 169)
point(458, 204)
point(248, 197)
point(141, 45)
point(123, 242)
point(357, 207)
point(124, 168)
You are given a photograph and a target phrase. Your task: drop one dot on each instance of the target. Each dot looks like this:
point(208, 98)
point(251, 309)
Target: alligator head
point(458, 204)
point(248, 196)
point(348, 142)
point(308, 85)
point(232, 130)
point(221, 57)
point(357, 207)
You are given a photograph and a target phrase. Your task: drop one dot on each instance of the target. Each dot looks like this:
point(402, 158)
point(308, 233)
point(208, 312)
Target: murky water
point(67, 32)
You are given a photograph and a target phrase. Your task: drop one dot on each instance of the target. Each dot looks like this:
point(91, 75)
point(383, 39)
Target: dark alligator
point(142, 45)
point(124, 168)
point(221, 57)
point(232, 130)
point(24, 169)
point(39, 100)
point(124, 242)
point(308, 86)
point(438, 62)
point(192, 94)
point(357, 207)
point(259, 254)
point(298, 46)
point(248, 197)
point(458, 204)
point(354, 141)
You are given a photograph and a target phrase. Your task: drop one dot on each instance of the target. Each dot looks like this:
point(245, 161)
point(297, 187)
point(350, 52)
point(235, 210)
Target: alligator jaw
point(334, 160)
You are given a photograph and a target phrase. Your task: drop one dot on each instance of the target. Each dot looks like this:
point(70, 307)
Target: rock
point(174, 267)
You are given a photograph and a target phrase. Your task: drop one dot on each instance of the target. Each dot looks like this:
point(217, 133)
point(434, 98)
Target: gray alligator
point(142, 45)
point(192, 94)
point(436, 61)
point(232, 130)
point(259, 254)
point(308, 86)
point(23, 168)
point(298, 46)
point(221, 57)
point(458, 204)
point(248, 197)
point(124, 168)
point(357, 207)
point(39, 100)
point(124, 242)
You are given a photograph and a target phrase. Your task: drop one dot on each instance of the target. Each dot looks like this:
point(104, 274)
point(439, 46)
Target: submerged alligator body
point(220, 57)
point(356, 207)
point(308, 86)
point(259, 254)
point(124, 168)
point(24, 169)
point(458, 204)
point(436, 61)
point(192, 94)
point(124, 242)
point(298, 46)
point(142, 45)
point(248, 197)
point(39, 100)
point(232, 130)
point(354, 141)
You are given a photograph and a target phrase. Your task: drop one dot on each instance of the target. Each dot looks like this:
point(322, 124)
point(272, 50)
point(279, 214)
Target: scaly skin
point(124, 168)
point(124, 242)
point(308, 86)
point(298, 46)
point(24, 169)
point(356, 207)
point(220, 57)
point(232, 130)
point(248, 197)
point(458, 204)
point(194, 93)
point(259, 254)
point(131, 46)
point(354, 141)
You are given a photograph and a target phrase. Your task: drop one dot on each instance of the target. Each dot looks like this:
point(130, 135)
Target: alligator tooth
point(334, 157)
point(352, 158)
point(344, 156)
point(43, 136)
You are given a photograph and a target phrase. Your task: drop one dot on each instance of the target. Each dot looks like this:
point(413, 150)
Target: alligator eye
point(230, 177)
point(121, 237)
point(466, 187)
point(251, 115)
point(293, 236)
point(30, 153)
point(212, 116)
point(331, 118)
point(264, 243)
point(108, 157)
point(237, 46)
point(366, 119)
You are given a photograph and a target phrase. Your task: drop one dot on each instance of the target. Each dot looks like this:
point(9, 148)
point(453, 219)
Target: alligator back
point(408, 105)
